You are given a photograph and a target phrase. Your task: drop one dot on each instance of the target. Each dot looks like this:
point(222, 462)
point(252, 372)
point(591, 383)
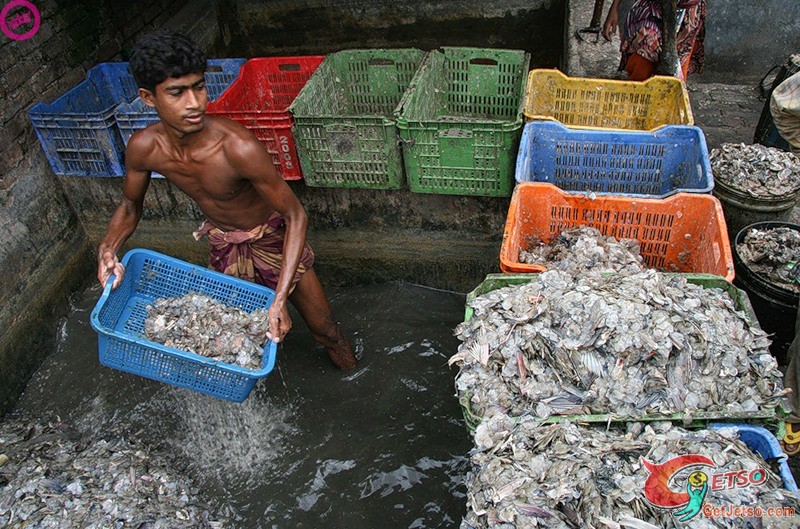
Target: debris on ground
point(57, 478)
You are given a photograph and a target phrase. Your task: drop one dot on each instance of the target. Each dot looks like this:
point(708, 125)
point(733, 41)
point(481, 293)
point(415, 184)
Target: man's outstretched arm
point(254, 163)
point(126, 217)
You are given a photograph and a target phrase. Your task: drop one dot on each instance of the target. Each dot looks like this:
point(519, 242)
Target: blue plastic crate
point(761, 441)
point(637, 164)
point(77, 131)
point(119, 318)
point(220, 74)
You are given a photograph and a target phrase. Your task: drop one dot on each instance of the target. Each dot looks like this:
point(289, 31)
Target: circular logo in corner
point(27, 15)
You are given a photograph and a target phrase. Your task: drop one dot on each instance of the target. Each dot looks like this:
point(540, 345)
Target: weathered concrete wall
point(44, 253)
point(256, 28)
point(744, 39)
point(357, 235)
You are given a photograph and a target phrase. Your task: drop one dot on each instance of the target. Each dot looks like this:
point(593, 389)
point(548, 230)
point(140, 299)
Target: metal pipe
point(594, 25)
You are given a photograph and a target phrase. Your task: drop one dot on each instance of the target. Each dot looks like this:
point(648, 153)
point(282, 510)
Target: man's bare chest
point(208, 177)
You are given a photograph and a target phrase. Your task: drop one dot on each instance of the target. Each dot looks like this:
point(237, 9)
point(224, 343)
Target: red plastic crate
point(683, 233)
point(259, 99)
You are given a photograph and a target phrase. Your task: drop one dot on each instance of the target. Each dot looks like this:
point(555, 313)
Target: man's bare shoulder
point(238, 142)
point(233, 132)
point(143, 143)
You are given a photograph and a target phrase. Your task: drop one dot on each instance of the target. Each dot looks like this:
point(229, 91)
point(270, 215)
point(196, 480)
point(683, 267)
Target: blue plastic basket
point(119, 318)
point(220, 74)
point(77, 131)
point(637, 164)
point(761, 441)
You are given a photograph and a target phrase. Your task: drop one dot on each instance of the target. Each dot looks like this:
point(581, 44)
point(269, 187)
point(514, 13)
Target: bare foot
point(341, 354)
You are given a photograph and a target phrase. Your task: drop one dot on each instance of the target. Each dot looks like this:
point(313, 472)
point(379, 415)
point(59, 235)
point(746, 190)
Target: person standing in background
point(640, 37)
point(785, 109)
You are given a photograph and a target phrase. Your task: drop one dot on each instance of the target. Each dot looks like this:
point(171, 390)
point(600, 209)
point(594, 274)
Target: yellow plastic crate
point(605, 103)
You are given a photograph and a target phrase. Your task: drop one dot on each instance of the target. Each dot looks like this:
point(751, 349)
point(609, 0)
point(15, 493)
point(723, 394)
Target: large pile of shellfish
point(565, 476)
point(760, 171)
point(54, 477)
point(598, 333)
point(199, 324)
point(631, 343)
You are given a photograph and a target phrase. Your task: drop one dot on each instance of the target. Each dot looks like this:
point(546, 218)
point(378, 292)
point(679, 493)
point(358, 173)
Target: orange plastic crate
point(683, 233)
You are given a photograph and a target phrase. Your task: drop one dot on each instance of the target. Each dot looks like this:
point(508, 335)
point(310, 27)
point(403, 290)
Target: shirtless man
point(255, 224)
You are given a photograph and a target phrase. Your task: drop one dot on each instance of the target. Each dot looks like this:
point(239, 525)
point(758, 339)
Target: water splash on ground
point(383, 445)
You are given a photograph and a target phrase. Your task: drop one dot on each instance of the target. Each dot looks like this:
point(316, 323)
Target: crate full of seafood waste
point(635, 164)
point(526, 475)
point(682, 233)
point(762, 442)
point(720, 366)
point(121, 315)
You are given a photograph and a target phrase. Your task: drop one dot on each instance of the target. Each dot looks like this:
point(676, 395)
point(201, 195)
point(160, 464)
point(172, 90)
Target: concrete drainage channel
point(383, 445)
point(286, 456)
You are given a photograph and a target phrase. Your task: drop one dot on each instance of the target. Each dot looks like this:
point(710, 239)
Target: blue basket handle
point(108, 285)
point(95, 316)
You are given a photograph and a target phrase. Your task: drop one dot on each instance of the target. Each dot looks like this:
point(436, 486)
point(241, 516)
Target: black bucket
point(775, 306)
point(742, 210)
point(766, 133)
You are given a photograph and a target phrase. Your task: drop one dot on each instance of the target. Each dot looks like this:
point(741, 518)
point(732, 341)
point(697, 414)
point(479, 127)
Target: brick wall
point(44, 253)
point(73, 37)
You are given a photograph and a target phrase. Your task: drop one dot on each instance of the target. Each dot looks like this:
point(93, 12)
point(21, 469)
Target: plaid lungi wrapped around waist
point(255, 254)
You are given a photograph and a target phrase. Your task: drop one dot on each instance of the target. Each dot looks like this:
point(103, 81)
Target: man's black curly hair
point(164, 54)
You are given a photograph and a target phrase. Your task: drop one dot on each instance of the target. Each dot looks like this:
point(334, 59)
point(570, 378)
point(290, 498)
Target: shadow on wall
point(251, 28)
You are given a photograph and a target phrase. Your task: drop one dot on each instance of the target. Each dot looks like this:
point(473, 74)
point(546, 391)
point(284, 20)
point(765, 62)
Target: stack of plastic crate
point(345, 126)
point(622, 157)
point(78, 132)
point(259, 99)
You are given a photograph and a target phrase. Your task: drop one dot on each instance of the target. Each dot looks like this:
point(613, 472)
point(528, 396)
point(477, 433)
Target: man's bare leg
point(311, 302)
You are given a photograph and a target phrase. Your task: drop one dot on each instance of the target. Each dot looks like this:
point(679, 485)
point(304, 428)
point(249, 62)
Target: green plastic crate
point(773, 418)
point(344, 118)
point(461, 121)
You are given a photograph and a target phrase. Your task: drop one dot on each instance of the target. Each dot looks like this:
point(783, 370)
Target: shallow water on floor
point(383, 445)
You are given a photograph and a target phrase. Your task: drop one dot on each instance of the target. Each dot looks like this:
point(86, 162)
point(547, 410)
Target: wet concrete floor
point(383, 445)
